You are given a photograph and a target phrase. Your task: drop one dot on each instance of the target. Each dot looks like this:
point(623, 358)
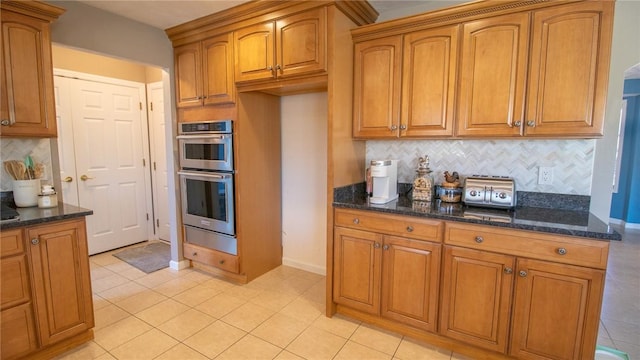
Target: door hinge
point(144, 162)
point(151, 106)
point(140, 103)
point(147, 216)
point(158, 222)
point(154, 165)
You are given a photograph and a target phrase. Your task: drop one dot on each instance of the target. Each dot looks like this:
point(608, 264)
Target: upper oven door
point(207, 152)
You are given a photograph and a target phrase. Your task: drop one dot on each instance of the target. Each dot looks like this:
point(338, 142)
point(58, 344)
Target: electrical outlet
point(545, 175)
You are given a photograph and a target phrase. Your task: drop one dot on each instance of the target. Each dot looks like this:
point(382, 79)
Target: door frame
point(144, 117)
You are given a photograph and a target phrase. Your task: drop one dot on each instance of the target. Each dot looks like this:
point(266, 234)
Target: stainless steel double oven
point(206, 183)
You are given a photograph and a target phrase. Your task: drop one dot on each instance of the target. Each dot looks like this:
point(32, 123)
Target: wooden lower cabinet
point(390, 276)
point(476, 297)
point(47, 303)
point(556, 311)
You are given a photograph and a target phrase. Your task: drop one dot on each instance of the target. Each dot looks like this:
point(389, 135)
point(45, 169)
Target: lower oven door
point(207, 201)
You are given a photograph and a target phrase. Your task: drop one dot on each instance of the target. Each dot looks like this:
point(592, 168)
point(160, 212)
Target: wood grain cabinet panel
point(61, 278)
point(493, 76)
point(17, 332)
point(556, 311)
point(476, 297)
point(428, 82)
point(377, 88)
point(27, 107)
point(569, 69)
point(204, 72)
point(291, 46)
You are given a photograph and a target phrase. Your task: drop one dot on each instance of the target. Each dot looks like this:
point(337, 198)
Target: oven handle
point(203, 174)
point(195, 137)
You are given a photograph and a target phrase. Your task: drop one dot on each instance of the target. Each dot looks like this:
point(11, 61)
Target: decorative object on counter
point(25, 192)
point(47, 197)
point(27, 170)
point(423, 184)
point(450, 190)
point(384, 177)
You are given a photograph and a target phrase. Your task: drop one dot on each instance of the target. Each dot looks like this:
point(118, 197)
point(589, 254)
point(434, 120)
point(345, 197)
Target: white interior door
point(66, 152)
point(159, 175)
point(110, 144)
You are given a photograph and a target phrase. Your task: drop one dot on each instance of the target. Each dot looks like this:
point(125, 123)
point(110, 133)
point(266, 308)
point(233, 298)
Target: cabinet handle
point(522, 273)
point(479, 239)
point(508, 270)
point(356, 221)
point(561, 251)
point(278, 67)
point(518, 123)
point(221, 262)
point(270, 68)
point(403, 127)
point(394, 127)
point(195, 254)
point(531, 123)
point(5, 122)
point(409, 228)
point(376, 245)
point(386, 247)
point(35, 241)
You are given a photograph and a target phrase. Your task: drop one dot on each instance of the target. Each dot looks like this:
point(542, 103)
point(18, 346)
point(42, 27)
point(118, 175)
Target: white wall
point(304, 179)
point(625, 52)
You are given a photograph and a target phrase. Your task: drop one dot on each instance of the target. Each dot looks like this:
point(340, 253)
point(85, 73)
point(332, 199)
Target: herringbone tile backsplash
point(18, 149)
point(571, 160)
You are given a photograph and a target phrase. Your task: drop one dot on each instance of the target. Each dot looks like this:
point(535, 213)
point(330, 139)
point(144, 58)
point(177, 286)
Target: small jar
point(48, 197)
point(450, 193)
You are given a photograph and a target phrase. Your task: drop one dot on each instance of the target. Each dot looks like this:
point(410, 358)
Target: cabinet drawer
point(562, 249)
point(221, 260)
point(14, 281)
point(404, 226)
point(11, 242)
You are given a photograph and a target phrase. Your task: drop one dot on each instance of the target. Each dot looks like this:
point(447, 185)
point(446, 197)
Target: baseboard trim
point(624, 224)
point(179, 265)
point(320, 270)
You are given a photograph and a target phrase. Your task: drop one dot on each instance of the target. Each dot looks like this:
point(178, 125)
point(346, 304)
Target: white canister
point(25, 192)
point(47, 200)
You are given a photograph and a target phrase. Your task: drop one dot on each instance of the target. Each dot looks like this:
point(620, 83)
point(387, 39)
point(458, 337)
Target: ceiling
point(163, 14)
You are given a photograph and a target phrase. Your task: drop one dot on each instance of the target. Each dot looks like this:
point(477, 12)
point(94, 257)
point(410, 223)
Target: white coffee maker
point(384, 178)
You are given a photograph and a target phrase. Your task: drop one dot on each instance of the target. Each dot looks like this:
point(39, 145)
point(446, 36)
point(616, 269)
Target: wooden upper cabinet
point(376, 88)
point(291, 46)
point(493, 76)
point(27, 106)
point(476, 297)
point(62, 283)
point(546, 327)
point(428, 82)
point(204, 72)
point(569, 69)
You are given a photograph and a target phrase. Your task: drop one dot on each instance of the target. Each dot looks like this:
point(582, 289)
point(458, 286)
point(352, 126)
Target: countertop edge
point(36, 216)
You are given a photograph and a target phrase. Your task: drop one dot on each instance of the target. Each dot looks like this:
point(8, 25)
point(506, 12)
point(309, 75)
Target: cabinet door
point(17, 331)
point(569, 69)
point(376, 88)
point(62, 284)
point(356, 271)
point(254, 52)
point(27, 77)
point(476, 297)
point(428, 83)
point(556, 311)
point(493, 76)
point(217, 70)
point(188, 68)
point(301, 42)
point(410, 281)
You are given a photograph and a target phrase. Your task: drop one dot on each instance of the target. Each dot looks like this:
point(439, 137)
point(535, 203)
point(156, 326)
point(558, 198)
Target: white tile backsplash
point(571, 160)
point(18, 149)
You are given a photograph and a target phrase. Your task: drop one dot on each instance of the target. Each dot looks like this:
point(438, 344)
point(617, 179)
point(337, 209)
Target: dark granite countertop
point(35, 215)
point(548, 220)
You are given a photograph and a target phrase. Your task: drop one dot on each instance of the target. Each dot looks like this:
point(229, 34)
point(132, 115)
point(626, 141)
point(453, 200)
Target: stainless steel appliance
point(489, 191)
point(206, 145)
point(207, 184)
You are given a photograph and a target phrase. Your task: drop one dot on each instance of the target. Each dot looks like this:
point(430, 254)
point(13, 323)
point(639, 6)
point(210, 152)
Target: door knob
point(68, 179)
point(85, 177)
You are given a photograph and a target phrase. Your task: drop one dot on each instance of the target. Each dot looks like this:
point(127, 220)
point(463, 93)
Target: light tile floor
point(191, 315)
